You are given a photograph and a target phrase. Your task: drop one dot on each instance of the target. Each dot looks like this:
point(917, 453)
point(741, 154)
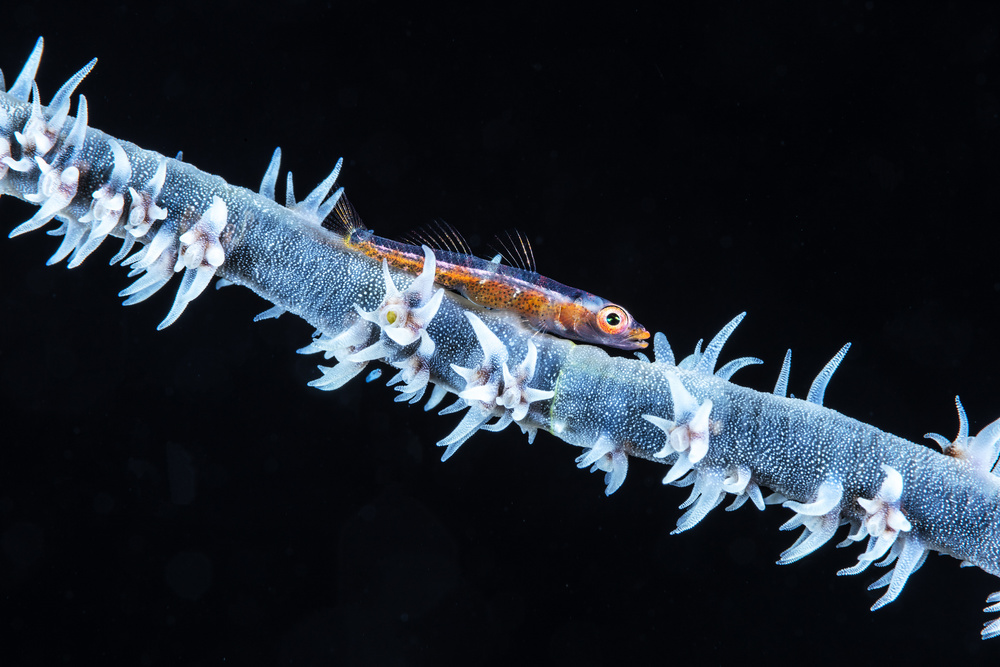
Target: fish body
point(546, 304)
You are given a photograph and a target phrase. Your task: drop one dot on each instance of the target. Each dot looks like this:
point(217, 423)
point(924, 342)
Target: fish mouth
point(637, 339)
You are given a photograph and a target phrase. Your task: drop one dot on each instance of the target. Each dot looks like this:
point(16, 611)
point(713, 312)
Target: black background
point(184, 498)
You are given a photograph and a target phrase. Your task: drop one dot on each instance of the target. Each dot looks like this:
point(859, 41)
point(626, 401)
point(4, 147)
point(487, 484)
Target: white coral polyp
point(4, 156)
point(402, 315)
point(202, 244)
point(687, 434)
point(884, 519)
point(56, 189)
point(608, 457)
point(144, 211)
point(517, 396)
point(492, 383)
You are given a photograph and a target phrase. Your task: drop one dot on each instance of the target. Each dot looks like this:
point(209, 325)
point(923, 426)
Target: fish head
point(611, 325)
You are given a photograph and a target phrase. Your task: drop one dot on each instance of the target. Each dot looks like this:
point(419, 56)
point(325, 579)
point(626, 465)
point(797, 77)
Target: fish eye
point(612, 319)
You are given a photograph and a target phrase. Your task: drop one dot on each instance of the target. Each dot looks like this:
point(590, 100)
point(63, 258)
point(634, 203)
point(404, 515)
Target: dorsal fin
point(343, 219)
point(439, 235)
point(516, 249)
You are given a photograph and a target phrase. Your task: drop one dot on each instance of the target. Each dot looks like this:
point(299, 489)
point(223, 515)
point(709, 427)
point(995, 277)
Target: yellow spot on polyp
point(390, 317)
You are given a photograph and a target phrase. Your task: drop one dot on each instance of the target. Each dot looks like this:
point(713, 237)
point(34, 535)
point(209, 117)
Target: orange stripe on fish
point(546, 304)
